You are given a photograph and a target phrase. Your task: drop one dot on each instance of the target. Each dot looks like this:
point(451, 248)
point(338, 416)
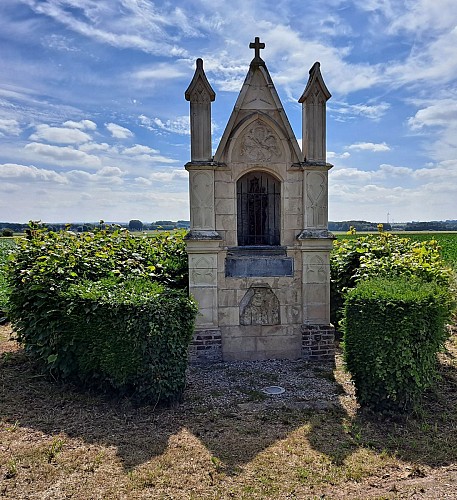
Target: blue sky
point(94, 125)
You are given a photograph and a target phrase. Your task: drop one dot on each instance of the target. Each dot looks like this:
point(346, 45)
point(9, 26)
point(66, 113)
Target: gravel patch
point(240, 385)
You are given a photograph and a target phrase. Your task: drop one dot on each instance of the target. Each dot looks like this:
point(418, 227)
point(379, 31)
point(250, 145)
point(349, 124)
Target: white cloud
point(106, 175)
point(443, 113)
point(372, 111)
point(180, 125)
point(169, 176)
point(59, 135)
point(139, 149)
point(143, 181)
point(342, 156)
point(369, 146)
point(21, 173)
point(118, 132)
point(59, 155)
point(158, 73)
point(93, 146)
point(9, 127)
point(82, 125)
point(143, 25)
point(110, 172)
point(424, 16)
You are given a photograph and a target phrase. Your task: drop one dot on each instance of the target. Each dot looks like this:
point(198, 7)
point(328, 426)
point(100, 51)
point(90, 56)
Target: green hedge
point(383, 254)
point(393, 329)
point(6, 246)
point(132, 335)
point(104, 308)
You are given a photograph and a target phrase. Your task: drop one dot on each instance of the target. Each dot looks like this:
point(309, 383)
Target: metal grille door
point(258, 202)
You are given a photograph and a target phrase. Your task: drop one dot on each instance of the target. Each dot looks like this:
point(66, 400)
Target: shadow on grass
point(427, 437)
point(233, 435)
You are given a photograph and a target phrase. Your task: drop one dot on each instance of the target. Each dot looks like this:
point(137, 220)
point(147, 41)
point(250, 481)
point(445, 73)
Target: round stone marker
point(273, 390)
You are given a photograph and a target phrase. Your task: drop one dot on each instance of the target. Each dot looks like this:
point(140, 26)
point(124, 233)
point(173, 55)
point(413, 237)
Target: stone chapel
point(258, 244)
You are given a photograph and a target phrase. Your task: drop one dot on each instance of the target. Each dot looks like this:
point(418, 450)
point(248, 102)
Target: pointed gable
point(315, 84)
point(258, 116)
point(199, 89)
point(200, 94)
point(313, 101)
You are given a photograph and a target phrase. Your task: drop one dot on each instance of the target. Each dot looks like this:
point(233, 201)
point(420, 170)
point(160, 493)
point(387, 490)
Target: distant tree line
point(448, 225)
point(9, 228)
point(358, 225)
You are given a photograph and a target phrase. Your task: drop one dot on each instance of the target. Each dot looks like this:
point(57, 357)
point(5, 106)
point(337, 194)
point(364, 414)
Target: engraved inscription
point(259, 306)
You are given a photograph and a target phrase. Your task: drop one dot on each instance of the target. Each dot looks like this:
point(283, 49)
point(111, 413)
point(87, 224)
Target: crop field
point(447, 242)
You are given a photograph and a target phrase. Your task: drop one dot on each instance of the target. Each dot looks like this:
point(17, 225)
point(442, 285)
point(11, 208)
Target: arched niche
point(258, 198)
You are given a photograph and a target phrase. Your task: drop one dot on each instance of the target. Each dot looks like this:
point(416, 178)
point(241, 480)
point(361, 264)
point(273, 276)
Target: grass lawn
point(58, 442)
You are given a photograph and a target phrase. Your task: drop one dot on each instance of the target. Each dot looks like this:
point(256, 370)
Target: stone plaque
point(252, 266)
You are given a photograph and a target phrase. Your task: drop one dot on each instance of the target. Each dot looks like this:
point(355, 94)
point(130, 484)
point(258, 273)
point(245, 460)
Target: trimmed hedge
point(6, 246)
point(393, 329)
point(383, 254)
point(132, 336)
point(105, 309)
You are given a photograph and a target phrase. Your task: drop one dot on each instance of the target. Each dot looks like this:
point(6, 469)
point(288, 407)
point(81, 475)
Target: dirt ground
point(228, 439)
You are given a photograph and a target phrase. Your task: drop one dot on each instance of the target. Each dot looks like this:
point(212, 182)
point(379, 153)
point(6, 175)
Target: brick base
point(318, 342)
point(206, 347)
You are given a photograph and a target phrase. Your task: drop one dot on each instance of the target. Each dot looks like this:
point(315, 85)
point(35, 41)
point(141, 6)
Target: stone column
point(313, 102)
point(200, 94)
point(318, 334)
point(202, 239)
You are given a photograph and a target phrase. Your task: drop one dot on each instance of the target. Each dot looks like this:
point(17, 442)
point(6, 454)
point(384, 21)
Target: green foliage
point(131, 336)
point(393, 328)
point(135, 225)
point(383, 254)
point(447, 243)
point(7, 232)
point(6, 246)
point(109, 264)
point(58, 259)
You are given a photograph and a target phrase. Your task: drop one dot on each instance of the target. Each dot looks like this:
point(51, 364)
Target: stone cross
point(257, 45)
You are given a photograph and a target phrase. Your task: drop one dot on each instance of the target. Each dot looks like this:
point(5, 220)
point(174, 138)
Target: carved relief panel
point(258, 144)
point(259, 306)
point(203, 271)
point(316, 199)
point(315, 270)
point(200, 94)
point(202, 199)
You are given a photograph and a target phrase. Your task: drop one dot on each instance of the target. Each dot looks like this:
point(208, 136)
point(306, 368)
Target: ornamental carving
point(316, 200)
point(259, 144)
point(315, 270)
point(259, 306)
point(202, 200)
point(200, 94)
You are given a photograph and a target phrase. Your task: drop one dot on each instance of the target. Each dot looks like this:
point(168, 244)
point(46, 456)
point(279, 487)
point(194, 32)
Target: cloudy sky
point(94, 125)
